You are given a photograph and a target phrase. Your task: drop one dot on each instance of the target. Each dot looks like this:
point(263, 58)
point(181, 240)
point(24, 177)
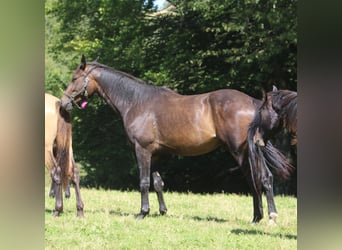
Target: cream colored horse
point(59, 158)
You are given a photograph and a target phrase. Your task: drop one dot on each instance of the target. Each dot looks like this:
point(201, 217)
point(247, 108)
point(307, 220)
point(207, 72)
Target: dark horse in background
point(59, 159)
point(157, 120)
point(261, 150)
point(284, 103)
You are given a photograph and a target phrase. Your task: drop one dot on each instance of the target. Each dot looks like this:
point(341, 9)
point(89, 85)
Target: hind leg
point(257, 202)
point(52, 188)
point(67, 191)
point(267, 183)
point(52, 159)
point(254, 183)
point(76, 181)
point(158, 187)
point(56, 179)
point(256, 190)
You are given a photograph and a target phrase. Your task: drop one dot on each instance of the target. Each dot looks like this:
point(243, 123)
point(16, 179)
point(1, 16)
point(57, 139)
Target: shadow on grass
point(120, 213)
point(197, 218)
point(47, 210)
point(64, 212)
point(259, 232)
point(158, 215)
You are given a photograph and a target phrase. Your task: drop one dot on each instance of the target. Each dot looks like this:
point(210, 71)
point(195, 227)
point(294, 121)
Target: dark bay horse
point(284, 103)
point(157, 120)
point(262, 154)
point(59, 158)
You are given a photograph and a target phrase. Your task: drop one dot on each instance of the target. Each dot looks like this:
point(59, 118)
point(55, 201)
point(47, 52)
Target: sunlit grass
point(193, 221)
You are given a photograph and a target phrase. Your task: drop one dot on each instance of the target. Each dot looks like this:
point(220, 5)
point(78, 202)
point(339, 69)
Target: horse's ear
point(83, 63)
point(97, 58)
point(274, 88)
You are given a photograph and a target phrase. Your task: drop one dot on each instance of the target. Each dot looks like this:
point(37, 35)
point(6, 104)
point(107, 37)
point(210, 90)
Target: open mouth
point(82, 103)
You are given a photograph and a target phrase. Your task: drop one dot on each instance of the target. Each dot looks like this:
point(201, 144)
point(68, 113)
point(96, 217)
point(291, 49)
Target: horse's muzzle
point(66, 103)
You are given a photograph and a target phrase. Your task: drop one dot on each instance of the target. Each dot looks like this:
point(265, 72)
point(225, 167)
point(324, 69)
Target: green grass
point(193, 221)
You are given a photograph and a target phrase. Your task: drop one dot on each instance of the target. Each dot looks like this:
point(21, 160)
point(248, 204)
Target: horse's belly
point(195, 147)
point(194, 136)
point(203, 149)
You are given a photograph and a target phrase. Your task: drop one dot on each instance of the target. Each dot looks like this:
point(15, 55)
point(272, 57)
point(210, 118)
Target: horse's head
point(82, 85)
point(269, 116)
point(265, 122)
point(284, 103)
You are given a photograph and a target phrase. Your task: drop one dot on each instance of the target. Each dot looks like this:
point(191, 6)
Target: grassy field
point(193, 221)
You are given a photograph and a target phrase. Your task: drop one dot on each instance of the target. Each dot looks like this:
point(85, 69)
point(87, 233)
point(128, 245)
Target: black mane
point(286, 103)
point(121, 86)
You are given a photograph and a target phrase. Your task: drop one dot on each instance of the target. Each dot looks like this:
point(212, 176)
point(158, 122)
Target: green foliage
point(218, 221)
point(247, 45)
point(196, 47)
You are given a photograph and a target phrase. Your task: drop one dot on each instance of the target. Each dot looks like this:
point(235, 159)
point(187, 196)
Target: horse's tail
point(261, 154)
point(276, 160)
point(255, 156)
point(64, 155)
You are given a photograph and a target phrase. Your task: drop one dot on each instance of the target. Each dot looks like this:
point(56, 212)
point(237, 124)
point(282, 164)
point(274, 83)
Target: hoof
point(254, 223)
point(80, 214)
point(272, 223)
point(56, 214)
point(163, 212)
point(140, 216)
point(256, 220)
point(273, 219)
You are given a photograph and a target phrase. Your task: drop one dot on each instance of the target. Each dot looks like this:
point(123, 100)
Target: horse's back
point(51, 111)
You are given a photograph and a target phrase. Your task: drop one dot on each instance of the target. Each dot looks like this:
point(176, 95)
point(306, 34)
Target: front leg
point(144, 162)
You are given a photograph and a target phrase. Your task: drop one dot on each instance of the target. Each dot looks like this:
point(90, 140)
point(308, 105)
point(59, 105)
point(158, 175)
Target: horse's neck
point(109, 91)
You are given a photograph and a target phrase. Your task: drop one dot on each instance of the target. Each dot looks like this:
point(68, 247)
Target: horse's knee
point(145, 184)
